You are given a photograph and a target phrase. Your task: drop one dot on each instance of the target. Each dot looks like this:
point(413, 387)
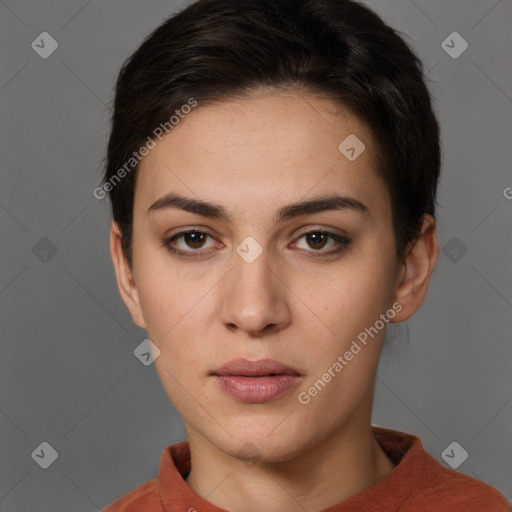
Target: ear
point(124, 276)
point(414, 275)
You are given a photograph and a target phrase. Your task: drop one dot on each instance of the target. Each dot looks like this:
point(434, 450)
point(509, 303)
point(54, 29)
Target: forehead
point(263, 146)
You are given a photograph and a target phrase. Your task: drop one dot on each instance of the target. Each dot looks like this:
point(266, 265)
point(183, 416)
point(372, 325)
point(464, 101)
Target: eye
point(191, 239)
point(318, 240)
point(192, 243)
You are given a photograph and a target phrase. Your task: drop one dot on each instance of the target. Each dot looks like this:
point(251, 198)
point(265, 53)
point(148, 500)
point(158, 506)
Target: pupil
point(195, 237)
point(317, 239)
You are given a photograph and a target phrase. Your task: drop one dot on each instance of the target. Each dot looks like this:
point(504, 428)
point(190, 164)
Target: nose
point(254, 295)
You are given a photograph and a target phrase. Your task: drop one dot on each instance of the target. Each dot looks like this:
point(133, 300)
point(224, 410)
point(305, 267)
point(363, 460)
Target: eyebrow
point(289, 211)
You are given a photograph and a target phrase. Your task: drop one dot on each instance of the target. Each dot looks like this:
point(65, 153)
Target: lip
point(256, 381)
point(261, 367)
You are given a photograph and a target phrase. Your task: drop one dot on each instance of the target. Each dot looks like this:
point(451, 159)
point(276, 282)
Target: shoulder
point(423, 483)
point(146, 495)
point(451, 491)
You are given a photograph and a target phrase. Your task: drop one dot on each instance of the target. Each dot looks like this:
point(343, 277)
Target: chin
point(263, 445)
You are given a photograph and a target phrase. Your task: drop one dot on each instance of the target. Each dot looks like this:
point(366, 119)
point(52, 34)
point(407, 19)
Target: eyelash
point(343, 242)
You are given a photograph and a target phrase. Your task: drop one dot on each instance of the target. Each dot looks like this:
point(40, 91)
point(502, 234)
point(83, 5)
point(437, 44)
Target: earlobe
point(124, 276)
point(415, 274)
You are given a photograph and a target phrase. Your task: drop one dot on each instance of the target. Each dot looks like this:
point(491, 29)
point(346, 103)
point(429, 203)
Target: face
point(249, 276)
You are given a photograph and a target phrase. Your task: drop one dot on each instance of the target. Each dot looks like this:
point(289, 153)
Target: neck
point(342, 465)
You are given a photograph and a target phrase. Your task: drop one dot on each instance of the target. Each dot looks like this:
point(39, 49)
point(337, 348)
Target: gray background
point(68, 375)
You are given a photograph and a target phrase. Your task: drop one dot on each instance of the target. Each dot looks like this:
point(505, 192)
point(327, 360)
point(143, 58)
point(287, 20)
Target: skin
point(252, 156)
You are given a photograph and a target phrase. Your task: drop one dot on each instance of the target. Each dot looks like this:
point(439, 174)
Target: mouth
point(256, 381)
point(260, 368)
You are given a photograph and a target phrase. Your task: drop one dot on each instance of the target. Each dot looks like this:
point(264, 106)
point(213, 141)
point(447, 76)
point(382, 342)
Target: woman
point(273, 168)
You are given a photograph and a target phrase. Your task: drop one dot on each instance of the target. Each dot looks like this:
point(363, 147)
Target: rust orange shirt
point(418, 483)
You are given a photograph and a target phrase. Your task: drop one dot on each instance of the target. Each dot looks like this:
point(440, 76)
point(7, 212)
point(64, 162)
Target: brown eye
point(318, 240)
point(192, 240)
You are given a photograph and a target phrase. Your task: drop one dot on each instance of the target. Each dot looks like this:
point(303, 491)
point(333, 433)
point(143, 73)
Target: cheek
point(350, 305)
point(175, 310)
point(342, 361)
point(165, 296)
point(357, 295)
